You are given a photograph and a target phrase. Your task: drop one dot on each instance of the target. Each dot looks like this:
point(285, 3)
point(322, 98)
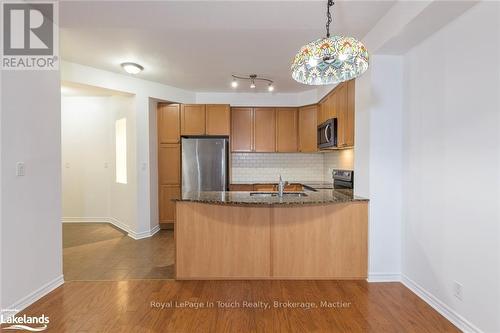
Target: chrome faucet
point(281, 187)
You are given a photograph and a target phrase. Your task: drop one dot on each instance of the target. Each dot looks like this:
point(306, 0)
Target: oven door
point(327, 134)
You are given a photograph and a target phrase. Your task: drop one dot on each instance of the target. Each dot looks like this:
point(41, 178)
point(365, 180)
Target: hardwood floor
point(125, 306)
point(99, 251)
point(123, 292)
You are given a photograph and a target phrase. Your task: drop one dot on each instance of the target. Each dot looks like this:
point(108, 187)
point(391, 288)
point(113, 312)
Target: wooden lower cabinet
point(294, 188)
point(166, 205)
point(224, 241)
point(313, 242)
point(241, 187)
point(264, 187)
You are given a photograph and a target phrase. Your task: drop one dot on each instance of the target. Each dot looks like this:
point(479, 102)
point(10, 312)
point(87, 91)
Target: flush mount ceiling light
point(330, 60)
point(252, 78)
point(132, 68)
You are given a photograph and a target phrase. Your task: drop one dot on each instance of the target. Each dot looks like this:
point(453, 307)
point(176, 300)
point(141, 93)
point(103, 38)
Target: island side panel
point(320, 242)
point(222, 242)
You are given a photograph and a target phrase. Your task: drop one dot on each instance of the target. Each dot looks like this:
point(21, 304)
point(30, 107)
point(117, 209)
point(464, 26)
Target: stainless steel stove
point(343, 179)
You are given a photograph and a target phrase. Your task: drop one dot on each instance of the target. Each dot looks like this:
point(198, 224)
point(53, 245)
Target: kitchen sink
point(275, 194)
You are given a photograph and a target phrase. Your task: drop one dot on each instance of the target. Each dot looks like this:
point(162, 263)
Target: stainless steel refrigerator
point(205, 164)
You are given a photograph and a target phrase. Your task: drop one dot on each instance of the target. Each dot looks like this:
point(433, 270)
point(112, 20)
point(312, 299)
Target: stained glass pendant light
point(330, 60)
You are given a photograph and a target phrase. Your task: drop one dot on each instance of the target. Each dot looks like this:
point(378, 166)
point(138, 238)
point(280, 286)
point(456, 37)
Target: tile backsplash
point(338, 159)
point(265, 167)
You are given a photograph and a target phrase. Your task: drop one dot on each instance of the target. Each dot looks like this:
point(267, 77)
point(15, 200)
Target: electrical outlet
point(457, 290)
point(20, 169)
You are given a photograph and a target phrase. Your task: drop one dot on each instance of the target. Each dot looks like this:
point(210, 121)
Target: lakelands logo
point(25, 323)
point(30, 35)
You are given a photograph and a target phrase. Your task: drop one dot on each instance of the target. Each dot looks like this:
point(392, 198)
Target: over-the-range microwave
point(327, 134)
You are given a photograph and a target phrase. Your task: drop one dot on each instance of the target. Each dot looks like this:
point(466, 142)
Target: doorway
point(99, 191)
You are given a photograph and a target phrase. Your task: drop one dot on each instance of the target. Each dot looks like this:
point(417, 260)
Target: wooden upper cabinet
point(308, 129)
point(286, 130)
point(218, 119)
point(169, 123)
point(341, 94)
point(264, 130)
point(193, 119)
point(332, 106)
point(169, 165)
point(322, 110)
point(241, 129)
point(340, 104)
point(349, 128)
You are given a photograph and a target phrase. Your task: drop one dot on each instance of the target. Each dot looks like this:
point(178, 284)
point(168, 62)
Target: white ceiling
point(198, 45)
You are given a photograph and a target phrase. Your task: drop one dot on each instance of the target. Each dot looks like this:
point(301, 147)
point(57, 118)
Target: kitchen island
point(236, 235)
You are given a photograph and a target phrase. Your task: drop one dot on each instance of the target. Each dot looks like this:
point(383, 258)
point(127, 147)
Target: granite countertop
point(321, 196)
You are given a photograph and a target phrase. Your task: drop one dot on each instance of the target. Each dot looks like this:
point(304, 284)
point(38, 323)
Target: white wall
point(145, 197)
point(377, 166)
point(451, 158)
point(385, 165)
point(123, 197)
point(86, 149)
point(90, 192)
point(260, 99)
point(153, 162)
point(31, 242)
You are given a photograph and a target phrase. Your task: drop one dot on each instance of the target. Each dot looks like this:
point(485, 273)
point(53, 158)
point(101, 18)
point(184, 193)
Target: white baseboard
point(144, 234)
point(120, 225)
point(384, 277)
point(26, 301)
point(117, 223)
point(447, 312)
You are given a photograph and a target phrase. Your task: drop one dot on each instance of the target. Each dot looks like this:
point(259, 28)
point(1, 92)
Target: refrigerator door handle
point(225, 165)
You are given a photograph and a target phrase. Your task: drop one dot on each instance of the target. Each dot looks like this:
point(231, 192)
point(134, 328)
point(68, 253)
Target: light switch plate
point(20, 169)
point(457, 290)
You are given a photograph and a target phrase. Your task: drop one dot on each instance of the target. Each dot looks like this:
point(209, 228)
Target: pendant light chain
point(329, 16)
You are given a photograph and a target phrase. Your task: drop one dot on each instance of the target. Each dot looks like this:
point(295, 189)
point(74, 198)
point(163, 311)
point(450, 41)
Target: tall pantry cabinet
point(169, 159)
